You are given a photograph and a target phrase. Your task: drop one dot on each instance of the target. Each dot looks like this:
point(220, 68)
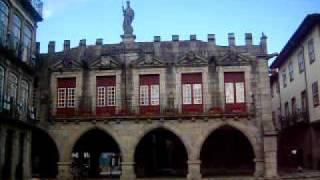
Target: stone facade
point(169, 59)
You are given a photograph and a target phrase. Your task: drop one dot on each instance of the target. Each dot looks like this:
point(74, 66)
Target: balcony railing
point(294, 118)
point(12, 109)
point(84, 111)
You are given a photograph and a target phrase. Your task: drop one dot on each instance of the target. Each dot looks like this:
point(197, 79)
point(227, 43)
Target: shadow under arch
point(44, 155)
point(227, 151)
point(96, 154)
point(160, 153)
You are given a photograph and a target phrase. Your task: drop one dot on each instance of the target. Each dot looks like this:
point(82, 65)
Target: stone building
point(295, 97)
point(181, 109)
point(18, 24)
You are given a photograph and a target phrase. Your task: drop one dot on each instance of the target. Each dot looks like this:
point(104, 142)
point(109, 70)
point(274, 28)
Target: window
point(12, 87)
point(1, 85)
point(71, 98)
point(61, 97)
point(291, 72)
point(301, 60)
point(304, 101)
point(155, 96)
point(312, 56)
point(4, 14)
point(186, 94)
point(16, 31)
point(315, 93)
point(197, 93)
point(284, 78)
point(286, 109)
point(24, 96)
point(101, 93)
point(106, 95)
point(27, 43)
point(234, 87)
point(66, 93)
point(111, 93)
point(293, 105)
point(144, 95)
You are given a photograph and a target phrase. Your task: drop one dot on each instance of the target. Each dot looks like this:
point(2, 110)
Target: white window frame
point(144, 95)
point(61, 97)
point(301, 60)
point(101, 96)
point(240, 92)
point(229, 92)
point(71, 97)
point(24, 100)
point(16, 29)
point(291, 71)
point(13, 86)
point(311, 53)
point(197, 93)
point(155, 95)
point(186, 94)
point(27, 43)
point(111, 95)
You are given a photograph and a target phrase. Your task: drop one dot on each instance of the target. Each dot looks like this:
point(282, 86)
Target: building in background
point(295, 97)
point(18, 25)
point(179, 108)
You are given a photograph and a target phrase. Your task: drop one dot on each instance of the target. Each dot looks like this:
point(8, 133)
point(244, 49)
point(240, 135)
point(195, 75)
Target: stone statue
point(128, 14)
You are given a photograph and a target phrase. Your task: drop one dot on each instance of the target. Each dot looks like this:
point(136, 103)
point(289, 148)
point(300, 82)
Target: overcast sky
point(90, 19)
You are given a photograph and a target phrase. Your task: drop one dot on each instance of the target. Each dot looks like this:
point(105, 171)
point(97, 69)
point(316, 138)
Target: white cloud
point(52, 7)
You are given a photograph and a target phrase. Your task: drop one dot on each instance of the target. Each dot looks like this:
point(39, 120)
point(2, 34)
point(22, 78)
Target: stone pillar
point(27, 172)
point(3, 136)
point(127, 171)
point(194, 170)
point(270, 156)
point(15, 155)
point(259, 167)
point(64, 171)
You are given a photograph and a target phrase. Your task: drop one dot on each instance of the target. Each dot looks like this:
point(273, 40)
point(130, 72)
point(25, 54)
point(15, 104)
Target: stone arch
point(99, 151)
point(77, 136)
point(247, 132)
point(173, 157)
point(165, 127)
point(44, 165)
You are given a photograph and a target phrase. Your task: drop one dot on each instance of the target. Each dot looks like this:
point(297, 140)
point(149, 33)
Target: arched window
point(1, 85)
point(27, 43)
point(12, 87)
point(16, 31)
point(4, 14)
point(24, 96)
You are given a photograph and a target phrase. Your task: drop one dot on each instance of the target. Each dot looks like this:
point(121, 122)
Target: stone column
point(194, 170)
point(270, 156)
point(15, 155)
point(3, 136)
point(27, 171)
point(64, 170)
point(127, 171)
point(259, 167)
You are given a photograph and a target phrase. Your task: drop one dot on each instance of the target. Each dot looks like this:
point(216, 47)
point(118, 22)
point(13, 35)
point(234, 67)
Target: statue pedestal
point(128, 38)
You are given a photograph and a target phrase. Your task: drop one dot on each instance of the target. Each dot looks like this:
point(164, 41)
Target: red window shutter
point(234, 78)
point(105, 81)
point(192, 78)
point(149, 80)
point(66, 82)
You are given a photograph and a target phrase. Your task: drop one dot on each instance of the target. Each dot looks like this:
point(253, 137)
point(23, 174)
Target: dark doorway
point(8, 155)
point(161, 154)
point(96, 155)
point(227, 152)
point(45, 155)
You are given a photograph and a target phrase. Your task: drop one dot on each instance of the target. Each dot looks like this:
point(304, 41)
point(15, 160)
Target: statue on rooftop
point(128, 14)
